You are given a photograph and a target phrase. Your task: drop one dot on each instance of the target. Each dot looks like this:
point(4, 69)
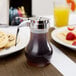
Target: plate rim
point(17, 49)
point(61, 42)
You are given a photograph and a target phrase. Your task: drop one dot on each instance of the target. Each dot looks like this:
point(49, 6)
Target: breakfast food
point(71, 28)
point(68, 36)
point(3, 39)
point(6, 40)
point(11, 40)
point(74, 43)
point(62, 36)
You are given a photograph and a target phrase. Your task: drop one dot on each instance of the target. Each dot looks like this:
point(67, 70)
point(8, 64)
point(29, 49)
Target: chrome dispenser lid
point(39, 22)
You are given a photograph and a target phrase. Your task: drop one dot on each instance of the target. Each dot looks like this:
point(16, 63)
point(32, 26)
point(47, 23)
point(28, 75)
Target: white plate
point(24, 36)
point(58, 40)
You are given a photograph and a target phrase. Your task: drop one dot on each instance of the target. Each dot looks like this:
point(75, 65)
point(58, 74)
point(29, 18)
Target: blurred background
point(19, 8)
point(10, 9)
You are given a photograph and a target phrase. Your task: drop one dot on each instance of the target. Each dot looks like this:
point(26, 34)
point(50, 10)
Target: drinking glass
point(61, 14)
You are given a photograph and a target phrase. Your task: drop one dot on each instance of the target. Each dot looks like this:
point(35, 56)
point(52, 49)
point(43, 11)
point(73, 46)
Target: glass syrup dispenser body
point(39, 51)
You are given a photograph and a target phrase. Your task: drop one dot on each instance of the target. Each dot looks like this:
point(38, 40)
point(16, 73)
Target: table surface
point(63, 62)
point(15, 65)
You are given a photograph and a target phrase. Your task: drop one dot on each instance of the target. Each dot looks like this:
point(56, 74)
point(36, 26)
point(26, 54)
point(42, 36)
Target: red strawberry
point(71, 28)
point(74, 43)
point(70, 36)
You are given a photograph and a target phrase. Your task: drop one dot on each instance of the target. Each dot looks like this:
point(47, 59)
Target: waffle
point(3, 39)
point(11, 40)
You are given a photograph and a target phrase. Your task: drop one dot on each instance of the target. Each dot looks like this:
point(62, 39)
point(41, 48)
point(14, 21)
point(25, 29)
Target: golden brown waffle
point(11, 40)
point(3, 39)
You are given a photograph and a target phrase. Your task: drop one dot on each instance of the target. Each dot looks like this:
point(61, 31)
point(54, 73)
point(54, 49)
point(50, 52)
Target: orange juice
point(61, 16)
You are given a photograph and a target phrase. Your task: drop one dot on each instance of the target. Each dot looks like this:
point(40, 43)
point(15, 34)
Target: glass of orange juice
point(61, 14)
